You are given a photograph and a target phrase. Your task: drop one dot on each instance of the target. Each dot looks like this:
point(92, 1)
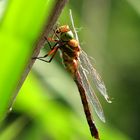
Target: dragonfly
point(78, 64)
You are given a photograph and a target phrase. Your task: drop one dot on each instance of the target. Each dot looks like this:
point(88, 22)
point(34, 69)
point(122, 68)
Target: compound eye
point(66, 36)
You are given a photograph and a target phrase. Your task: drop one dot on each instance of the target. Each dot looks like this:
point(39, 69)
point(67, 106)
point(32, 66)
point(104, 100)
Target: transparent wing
point(92, 98)
point(72, 22)
point(85, 62)
point(88, 66)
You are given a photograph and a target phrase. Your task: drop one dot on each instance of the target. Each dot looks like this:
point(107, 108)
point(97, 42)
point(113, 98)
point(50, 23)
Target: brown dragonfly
point(78, 64)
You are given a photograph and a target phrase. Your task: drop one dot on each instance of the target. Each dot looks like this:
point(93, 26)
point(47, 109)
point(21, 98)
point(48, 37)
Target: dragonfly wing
point(92, 98)
point(85, 62)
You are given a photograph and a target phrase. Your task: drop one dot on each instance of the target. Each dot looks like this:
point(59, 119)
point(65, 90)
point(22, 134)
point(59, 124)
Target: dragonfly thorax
point(73, 43)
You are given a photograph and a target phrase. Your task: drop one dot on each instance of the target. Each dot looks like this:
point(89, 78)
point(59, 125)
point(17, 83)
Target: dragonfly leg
point(55, 34)
point(52, 52)
point(48, 42)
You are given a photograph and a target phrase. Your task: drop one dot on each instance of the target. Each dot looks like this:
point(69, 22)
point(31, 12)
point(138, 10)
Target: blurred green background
point(48, 106)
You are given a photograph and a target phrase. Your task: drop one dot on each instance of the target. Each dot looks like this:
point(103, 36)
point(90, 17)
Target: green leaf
point(9, 132)
point(20, 27)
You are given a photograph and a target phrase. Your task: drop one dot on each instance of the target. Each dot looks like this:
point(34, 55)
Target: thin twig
point(40, 42)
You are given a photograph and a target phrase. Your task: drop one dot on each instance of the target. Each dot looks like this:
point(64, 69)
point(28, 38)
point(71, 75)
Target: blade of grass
point(20, 27)
point(9, 132)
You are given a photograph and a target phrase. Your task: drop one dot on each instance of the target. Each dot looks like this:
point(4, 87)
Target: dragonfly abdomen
point(70, 54)
point(70, 64)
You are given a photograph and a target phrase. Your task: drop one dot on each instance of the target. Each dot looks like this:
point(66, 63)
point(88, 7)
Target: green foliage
point(48, 105)
point(9, 132)
point(19, 28)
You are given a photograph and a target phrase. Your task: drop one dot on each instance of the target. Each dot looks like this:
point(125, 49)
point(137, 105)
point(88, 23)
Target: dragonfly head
point(66, 36)
point(64, 33)
point(62, 29)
